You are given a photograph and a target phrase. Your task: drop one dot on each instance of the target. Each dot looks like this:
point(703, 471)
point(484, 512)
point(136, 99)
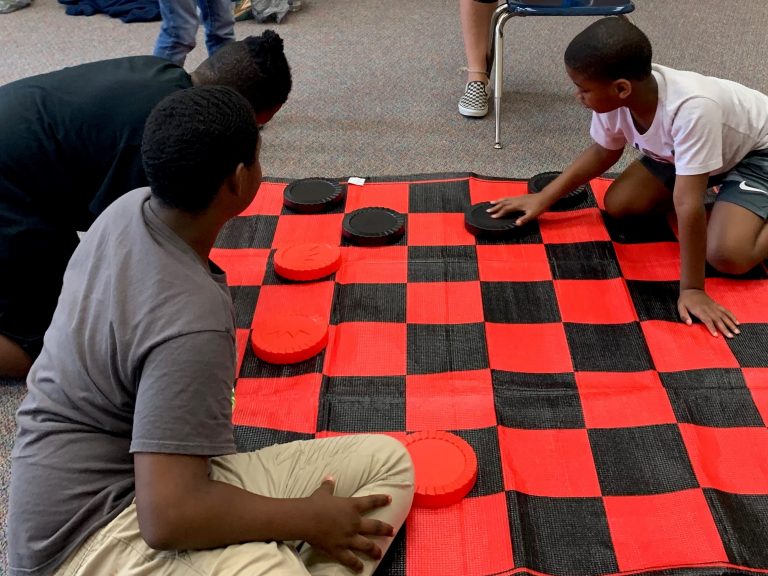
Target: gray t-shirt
point(139, 357)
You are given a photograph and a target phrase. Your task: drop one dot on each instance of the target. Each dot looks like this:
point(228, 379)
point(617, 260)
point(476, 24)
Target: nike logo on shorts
point(745, 186)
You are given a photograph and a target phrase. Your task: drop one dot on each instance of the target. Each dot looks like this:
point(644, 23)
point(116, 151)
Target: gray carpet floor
point(376, 86)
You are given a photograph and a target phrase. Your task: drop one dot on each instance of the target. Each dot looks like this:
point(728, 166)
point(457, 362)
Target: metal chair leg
point(498, 62)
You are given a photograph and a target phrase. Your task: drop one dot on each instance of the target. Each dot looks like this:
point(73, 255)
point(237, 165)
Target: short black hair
point(610, 49)
point(256, 67)
point(193, 140)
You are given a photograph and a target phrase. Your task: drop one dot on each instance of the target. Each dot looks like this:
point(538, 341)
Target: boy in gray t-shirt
point(125, 446)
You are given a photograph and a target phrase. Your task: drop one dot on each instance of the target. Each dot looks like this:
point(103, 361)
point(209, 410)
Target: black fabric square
point(655, 300)
point(253, 367)
point(528, 234)
point(607, 347)
point(442, 264)
point(244, 300)
point(368, 303)
point(751, 346)
point(394, 561)
point(434, 348)
point(641, 460)
point(362, 404)
point(247, 232)
point(716, 397)
point(583, 261)
point(536, 401)
point(519, 302)
point(742, 520)
point(441, 197)
point(485, 443)
point(560, 535)
point(251, 439)
point(639, 229)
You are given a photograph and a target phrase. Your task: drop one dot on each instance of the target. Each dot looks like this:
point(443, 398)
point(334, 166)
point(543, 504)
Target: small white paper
point(356, 181)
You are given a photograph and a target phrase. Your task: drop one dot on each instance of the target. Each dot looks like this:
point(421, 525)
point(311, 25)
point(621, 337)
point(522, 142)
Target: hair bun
point(272, 40)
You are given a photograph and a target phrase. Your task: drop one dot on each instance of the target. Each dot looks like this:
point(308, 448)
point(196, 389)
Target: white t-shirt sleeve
point(184, 399)
point(605, 131)
point(697, 136)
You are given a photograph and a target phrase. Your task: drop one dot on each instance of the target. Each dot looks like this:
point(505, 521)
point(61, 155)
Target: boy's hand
point(338, 527)
point(531, 205)
point(714, 316)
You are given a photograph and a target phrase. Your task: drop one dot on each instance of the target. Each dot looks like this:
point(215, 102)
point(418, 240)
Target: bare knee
point(14, 361)
point(729, 261)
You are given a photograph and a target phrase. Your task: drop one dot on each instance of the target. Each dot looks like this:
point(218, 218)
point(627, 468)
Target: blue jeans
point(180, 23)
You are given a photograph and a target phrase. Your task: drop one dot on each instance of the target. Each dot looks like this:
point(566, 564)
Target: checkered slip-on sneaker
point(474, 103)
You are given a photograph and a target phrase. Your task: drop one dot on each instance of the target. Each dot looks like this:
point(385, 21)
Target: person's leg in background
point(178, 30)
point(219, 22)
point(475, 27)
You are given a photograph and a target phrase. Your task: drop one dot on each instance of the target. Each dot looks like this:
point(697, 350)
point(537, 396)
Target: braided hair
point(256, 67)
point(193, 140)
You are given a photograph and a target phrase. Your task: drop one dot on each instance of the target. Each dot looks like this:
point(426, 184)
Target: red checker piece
point(445, 465)
point(288, 339)
point(304, 262)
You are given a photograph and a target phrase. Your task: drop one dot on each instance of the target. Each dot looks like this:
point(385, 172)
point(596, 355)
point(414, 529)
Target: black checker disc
point(373, 226)
point(479, 222)
point(567, 202)
point(312, 195)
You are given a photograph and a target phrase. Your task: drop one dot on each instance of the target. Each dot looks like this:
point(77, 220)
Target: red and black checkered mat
point(610, 437)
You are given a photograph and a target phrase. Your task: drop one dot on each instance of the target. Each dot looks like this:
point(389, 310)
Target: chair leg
point(498, 61)
point(492, 38)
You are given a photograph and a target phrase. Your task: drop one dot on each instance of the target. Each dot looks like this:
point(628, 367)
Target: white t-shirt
point(702, 124)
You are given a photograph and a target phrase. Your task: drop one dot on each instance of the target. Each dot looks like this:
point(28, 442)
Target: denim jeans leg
point(219, 22)
point(178, 30)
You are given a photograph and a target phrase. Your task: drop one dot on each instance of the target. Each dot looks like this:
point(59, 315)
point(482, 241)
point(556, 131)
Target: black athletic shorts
point(745, 185)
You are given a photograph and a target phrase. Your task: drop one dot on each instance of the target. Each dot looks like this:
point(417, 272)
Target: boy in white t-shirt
point(694, 131)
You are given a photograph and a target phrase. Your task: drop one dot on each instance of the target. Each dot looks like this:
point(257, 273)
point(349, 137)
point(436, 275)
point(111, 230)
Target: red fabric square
point(623, 399)
point(676, 346)
point(241, 341)
point(595, 301)
point(747, 299)
point(444, 229)
point(486, 190)
point(663, 530)
point(366, 349)
point(540, 348)
point(449, 401)
point(650, 261)
point(393, 195)
point(381, 265)
point(288, 403)
point(244, 266)
point(436, 539)
point(575, 226)
point(555, 463)
point(513, 263)
point(728, 459)
point(599, 188)
point(268, 200)
point(757, 382)
point(444, 303)
point(308, 228)
point(312, 299)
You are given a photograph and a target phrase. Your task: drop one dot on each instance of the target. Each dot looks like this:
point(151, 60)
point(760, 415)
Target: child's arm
point(591, 163)
point(179, 507)
point(692, 226)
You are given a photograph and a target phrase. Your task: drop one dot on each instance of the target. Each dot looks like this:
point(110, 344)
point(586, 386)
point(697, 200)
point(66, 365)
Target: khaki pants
point(361, 465)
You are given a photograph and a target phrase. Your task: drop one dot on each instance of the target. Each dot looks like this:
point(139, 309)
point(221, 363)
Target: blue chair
point(539, 8)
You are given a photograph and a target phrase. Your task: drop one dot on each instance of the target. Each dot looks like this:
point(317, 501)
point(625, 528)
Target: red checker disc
point(288, 339)
point(445, 465)
point(304, 262)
